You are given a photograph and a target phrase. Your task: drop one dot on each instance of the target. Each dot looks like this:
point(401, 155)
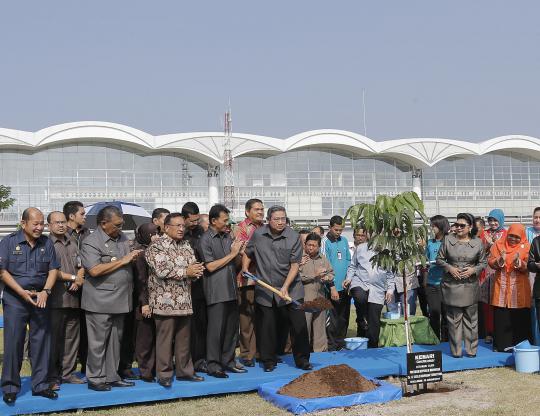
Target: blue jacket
point(338, 254)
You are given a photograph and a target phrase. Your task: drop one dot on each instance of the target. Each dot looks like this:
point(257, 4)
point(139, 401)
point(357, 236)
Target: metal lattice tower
point(228, 168)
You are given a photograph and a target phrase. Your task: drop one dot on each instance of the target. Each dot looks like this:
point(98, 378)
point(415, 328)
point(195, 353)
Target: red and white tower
point(228, 168)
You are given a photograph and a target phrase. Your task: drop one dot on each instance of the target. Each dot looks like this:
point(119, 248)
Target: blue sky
point(457, 69)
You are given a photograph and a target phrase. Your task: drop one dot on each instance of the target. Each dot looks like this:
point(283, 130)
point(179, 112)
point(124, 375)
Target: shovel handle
point(271, 288)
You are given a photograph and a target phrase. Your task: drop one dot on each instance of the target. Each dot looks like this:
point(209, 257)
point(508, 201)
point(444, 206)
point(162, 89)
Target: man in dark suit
point(220, 255)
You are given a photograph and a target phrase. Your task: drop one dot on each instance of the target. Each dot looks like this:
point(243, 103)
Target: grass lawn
point(493, 392)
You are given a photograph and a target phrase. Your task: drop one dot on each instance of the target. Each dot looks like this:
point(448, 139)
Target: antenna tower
point(228, 177)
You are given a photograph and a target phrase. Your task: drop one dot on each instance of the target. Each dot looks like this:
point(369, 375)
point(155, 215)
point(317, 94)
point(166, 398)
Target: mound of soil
point(334, 380)
point(320, 303)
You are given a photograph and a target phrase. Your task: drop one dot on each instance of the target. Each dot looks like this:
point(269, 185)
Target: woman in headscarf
point(145, 341)
point(494, 232)
point(511, 288)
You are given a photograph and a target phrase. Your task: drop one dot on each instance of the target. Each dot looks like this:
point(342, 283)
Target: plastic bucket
point(527, 360)
point(356, 343)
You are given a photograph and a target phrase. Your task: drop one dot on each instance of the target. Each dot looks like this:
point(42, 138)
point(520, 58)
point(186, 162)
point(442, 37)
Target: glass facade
point(318, 183)
point(314, 183)
point(49, 177)
point(506, 180)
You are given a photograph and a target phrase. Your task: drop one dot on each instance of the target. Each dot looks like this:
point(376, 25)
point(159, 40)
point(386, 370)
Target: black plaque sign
point(424, 367)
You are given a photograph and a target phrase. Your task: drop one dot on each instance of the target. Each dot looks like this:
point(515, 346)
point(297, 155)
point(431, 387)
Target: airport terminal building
point(315, 174)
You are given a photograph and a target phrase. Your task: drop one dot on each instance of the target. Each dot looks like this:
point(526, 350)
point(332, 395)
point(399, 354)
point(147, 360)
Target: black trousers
point(270, 316)
point(437, 311)
point(511, 327)
point(83, 344)
point(222, 335)
point(343, 311)
point(127, 347)
point(360, 297)
point(199, 322)
point(145, 346)
point(17, 314)
point(374, 324)
point(421, 292)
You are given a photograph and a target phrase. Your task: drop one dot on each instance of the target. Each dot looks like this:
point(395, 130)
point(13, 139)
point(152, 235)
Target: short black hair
point(320, 227)
point(441, 222)
point(50, 215)
point(469, 218)
point(158, 212)
point(216, 211)
point(303, 231)
point(170, 216)
point(190, 208)
point(314, 237)
point(251, 202)
point(71, 208)
point(536, 209)
point(481, 220)
point(275, 208)
point(106, 213)
point(336, 219)
point(360, 227)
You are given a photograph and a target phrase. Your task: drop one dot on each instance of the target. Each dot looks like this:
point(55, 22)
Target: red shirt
point(244, 231)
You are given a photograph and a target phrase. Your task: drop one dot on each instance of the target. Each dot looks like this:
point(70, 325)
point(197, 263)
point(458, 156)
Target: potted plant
point(397, 226)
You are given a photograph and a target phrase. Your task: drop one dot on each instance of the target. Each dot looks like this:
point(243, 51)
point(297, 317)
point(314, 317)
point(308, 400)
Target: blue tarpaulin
point(384, 393)
point(377, 362)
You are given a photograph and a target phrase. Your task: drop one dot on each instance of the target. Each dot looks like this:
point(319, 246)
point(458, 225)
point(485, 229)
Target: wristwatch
point(47, 291)
point(73, 277)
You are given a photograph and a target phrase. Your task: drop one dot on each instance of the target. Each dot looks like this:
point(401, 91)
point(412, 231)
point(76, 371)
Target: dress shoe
point(218, 374)
point(194, 377)
point(470, 355)
point(122, 383)
point(268, 368)
point(10, 398)
point(47, 393)
point(99, 386)
point(236, 370)
point(165, 382)
point(305, 366)
point(73, 379)
point(148, 379)
point(247, 363)
point(129, 375)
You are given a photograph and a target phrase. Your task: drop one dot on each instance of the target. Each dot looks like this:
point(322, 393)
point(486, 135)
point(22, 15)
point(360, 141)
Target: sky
point(459, 69)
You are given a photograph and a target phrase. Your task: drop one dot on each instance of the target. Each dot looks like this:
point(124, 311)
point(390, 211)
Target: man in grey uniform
point(107, 297)
point(277, 250)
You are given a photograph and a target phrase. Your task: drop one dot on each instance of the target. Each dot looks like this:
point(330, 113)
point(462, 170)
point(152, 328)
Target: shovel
point(295, 303)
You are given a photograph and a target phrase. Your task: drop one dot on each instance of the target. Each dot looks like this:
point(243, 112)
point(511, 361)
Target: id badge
point(339, 256)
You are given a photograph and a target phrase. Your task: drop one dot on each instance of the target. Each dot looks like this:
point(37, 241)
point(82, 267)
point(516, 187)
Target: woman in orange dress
point(511, 297)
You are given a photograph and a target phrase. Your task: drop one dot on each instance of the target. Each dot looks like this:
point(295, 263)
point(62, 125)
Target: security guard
point(29, 268)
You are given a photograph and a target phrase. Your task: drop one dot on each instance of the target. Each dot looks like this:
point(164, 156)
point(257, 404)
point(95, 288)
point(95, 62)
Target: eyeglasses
point(59, 223)
point(460, 225)
point(176, 225)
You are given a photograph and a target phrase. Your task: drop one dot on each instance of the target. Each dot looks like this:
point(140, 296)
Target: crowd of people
point(175, 298)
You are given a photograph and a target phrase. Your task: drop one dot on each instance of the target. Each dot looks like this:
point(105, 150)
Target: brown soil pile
point(320, 303)
point(334, 380)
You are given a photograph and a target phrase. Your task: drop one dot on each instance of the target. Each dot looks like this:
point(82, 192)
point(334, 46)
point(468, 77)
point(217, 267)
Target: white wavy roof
point(208, 146)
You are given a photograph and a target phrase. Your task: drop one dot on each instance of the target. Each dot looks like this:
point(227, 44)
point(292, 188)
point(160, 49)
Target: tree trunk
point(406, 312)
